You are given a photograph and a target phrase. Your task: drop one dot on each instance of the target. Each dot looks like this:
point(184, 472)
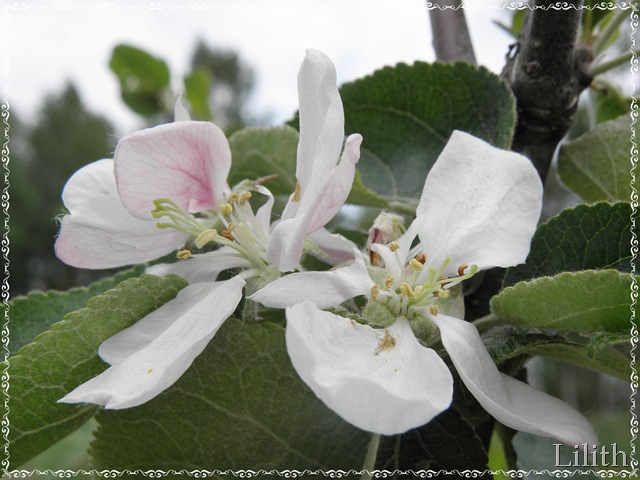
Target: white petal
point(187, 162)
point(382, 390)
point(481, 205)
point(180, 113)
point(263, 215)
point(286, 242)
point(321, 118)
point(325, 289)
point(203, 267)
point(100, 232)
point(510, 401)
point(336, 248)
point(151, 355)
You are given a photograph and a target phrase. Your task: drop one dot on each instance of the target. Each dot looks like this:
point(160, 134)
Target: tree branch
point(546, 73)
point(451, 39)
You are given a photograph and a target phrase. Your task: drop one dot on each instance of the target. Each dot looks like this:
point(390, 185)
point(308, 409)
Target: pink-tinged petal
point(318, 205)
point(204, 267)
point(510, 401)
point(481, 205)
point(321, 118)
point(150, 356)
point(382, 381)
point(186, 162)
point(335, 248)
point(325, 289)
point(100, 232)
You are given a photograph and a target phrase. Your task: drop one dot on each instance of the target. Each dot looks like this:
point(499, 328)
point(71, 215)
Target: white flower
point(478, 210)
point(177, 173)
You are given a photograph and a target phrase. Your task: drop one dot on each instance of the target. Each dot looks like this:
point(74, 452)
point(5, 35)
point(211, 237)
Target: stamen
point(415, 264)
point(296, 193)
point(434, 310)
point(393, 246)
point(226, 209)
point(374, 258)
point(205, 237)
point(227, 234)
point(388, 282)
point(406, 289)
point(375, 291)
point(233, 197)
point(422, 258)
point(461, 269)
point(184, 255)
point(244, 197)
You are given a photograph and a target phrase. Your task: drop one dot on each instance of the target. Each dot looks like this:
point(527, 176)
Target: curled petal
point(325, 289)
point(380, 381)
point(150, 356)
point(100, 232)
point(321, 118)
point(187, 162)
point(510, 401)
point(318, 205)
point(480, 205)
point(203, 267)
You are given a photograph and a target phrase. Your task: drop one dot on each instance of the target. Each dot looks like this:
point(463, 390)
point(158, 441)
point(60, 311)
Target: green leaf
point(262, 152)
point(197, 85)
point(582, 238)
point(37, 311)
point(65, 356)
point(512, 346)
point(240, 405)
point(596, 165)
point(608, 103)
point(361, 195)
point(407, 113)
point(143, 79)
point(584, 301)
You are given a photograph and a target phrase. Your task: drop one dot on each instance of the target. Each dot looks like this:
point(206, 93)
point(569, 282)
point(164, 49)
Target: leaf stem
point(487, 322)
point(606, 66)
point(370, 460)
point(610, 30)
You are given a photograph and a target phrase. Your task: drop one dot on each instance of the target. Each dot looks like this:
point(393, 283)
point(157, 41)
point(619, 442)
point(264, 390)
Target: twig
point(451, 39)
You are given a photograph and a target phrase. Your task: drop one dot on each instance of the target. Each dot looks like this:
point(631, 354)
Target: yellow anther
point(226, 209)
point(227, 234)
point(388, 282)
point(231, 227)
point(386, 343)
point(422, 258)
point(296, 193)
point(244, 197)
point(393, 246)
point(150, 370)
point(375, 291)
point(205, 237)
point(233, 197)
point(374, 258)
point(434, 309)
point(461, 269)
point(406, 289)
point(184, 255)
point(415, 264)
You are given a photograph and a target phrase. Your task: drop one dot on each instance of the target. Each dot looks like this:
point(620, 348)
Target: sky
point(47, 43)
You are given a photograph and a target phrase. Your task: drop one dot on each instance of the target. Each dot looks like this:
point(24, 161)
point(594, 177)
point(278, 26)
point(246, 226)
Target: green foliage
point(581, 238)
point(35, 313)
point(143, 79)
point(583, 301)
point(608, 103)
point(596, 166)
point(65, 356)
point(197, 86)
point(240, 405)
point(407, 113)
point(261, 152)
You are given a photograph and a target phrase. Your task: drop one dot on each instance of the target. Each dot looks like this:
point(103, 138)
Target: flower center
point(417, 292)
point(236, 227)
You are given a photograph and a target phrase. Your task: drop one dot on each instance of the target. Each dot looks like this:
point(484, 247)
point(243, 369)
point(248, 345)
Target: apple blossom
point(174, 177)
point(478, 209)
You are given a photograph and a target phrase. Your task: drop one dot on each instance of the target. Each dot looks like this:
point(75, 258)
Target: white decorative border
point(249, 5)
